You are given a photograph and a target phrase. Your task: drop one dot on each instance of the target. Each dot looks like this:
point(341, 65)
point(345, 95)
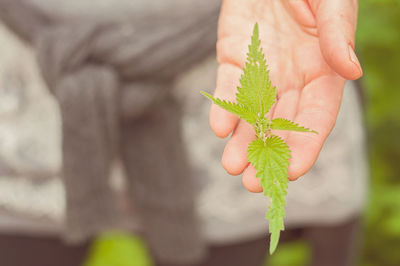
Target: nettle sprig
point(268, 153)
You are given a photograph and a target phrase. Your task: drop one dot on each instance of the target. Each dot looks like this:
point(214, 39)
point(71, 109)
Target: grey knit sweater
point(111, 78)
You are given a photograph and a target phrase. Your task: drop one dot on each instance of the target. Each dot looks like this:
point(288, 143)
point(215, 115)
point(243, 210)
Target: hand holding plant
point(309, 46)
point(310, 50)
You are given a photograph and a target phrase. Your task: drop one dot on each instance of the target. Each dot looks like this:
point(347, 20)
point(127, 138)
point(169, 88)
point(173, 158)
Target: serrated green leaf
point(255, 89)
point(237, 109)
point(271, 160)
point(284, 124)
point(268, 153)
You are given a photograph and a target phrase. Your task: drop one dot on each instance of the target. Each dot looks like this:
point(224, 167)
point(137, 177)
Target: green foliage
point(118, 249)
point(240, 110)
point(256, 92)
point(269, 154)
point(271, 159)
point(297, 253)
point(378, 39)
point(284, 124)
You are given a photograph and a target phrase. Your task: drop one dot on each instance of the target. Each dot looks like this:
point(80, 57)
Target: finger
point(221, 121)
point(250, 181)
point(232, 50)
point(231, 19)
point(302, 13)
point(234, 159)
point(318, 108)
point(336, 22)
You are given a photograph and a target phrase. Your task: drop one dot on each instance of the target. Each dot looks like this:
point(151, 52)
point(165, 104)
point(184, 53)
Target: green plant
point(378, 41)
point(269, 154)
point(118, 249)
point(293, 253)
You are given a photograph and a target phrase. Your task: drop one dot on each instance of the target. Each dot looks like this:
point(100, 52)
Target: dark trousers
point(39, 251)
point(331, 246)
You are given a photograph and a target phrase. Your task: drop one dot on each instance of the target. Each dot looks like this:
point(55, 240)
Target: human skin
point(309, 47)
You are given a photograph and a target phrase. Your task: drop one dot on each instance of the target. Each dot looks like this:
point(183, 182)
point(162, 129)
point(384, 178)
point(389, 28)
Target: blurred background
point(378, 39)
point(30, 138)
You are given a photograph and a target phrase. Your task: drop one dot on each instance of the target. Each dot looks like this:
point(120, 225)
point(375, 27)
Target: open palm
point(309, 49)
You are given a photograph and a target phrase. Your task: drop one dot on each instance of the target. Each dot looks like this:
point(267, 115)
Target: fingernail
point(354, 59)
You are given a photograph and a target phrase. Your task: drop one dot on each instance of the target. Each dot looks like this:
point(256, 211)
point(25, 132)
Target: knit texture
point(111, 79)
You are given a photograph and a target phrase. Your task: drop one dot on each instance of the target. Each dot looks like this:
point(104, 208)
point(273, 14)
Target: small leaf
point(237, 109)
point(255, 91)
point(271, 160)
point(284, 124)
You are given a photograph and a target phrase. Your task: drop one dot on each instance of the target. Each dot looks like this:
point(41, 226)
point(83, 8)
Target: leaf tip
point(272, 248)
point(209, 96)
point(255, 30)
point(274, 240)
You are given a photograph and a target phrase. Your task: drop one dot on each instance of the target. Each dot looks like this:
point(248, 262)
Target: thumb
point(336, 22)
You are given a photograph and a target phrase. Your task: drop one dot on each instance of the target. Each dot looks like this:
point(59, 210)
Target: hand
point(309, 47)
